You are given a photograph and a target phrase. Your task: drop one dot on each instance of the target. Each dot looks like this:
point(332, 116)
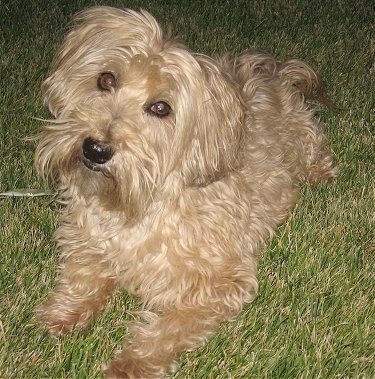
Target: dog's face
point(134, 108)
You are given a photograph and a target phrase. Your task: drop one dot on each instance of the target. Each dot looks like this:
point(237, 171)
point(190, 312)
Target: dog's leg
point(323, 168)
point(153, 346)
point(79, 295)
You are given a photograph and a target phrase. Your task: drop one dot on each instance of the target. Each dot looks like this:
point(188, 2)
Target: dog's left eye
point(106, 81)
point(159, 109)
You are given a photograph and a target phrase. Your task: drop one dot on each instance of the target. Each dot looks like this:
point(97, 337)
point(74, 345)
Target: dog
point(173, 169)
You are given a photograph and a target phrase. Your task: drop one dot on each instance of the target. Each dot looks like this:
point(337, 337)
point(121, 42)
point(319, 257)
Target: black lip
point(91, 166)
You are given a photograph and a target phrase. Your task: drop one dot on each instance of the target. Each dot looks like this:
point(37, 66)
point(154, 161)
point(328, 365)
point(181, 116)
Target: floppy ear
point(213, 151)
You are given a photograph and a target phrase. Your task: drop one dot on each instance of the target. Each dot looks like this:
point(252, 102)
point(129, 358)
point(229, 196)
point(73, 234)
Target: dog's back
point(280, 118)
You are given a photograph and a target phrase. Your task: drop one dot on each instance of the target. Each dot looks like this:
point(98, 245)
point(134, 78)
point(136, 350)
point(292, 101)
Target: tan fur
point(179, 214)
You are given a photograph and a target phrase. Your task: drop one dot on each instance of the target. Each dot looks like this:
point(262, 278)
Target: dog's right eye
point(106, 81)
point(159, 109)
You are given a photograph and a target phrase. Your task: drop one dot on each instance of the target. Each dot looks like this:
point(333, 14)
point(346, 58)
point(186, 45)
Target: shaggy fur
point(174, 169)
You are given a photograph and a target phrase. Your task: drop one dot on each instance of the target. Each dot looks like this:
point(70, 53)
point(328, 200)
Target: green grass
point(314, 316)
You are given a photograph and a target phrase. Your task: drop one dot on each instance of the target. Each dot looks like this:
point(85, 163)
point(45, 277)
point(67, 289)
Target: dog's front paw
point(113, 372)
point(59, 316)
point(55, 319)
point(131, 369)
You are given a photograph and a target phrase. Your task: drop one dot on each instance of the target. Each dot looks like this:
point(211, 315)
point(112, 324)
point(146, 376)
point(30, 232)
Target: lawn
point(315, 312)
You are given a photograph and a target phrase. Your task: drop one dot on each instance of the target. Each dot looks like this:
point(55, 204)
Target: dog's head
point(133, 109)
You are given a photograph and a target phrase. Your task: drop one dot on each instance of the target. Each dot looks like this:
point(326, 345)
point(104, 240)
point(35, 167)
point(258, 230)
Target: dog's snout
point(96, 152)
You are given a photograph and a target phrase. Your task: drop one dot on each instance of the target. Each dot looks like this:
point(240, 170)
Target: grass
point(314, 316)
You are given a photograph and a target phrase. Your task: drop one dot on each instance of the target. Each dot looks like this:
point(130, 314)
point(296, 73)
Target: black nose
point(96, 152)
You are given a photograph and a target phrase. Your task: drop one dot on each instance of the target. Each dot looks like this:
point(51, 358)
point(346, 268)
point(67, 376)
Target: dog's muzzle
point(95, 154)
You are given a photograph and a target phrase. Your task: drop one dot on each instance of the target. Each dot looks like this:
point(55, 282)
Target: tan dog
point(174, 169)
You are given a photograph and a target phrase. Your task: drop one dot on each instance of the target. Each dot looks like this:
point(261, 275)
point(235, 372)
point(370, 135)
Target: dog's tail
point(259, 75)
point(254, 64)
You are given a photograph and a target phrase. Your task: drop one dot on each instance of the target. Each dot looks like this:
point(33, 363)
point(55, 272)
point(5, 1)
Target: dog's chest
point(139, 256)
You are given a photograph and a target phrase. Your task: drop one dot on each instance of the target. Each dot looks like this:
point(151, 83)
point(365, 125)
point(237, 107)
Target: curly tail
point(255, 63)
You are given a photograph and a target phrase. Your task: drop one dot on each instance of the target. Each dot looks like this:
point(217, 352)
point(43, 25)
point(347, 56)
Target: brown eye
point(106, 81)
point(159, 109)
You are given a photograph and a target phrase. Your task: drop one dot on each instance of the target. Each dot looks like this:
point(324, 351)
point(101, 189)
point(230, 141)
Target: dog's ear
point(213, 151)
point(96, 36)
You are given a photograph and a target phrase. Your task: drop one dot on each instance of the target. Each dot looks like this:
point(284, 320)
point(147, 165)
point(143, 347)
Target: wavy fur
point(179, 214)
